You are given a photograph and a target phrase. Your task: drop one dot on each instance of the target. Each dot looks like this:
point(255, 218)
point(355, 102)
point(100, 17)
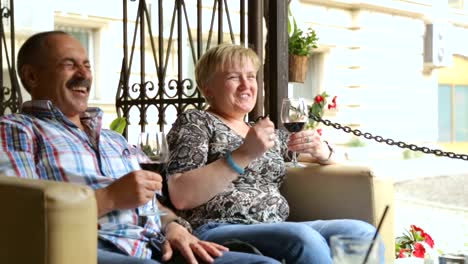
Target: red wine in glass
point(294, 126)
point(294, 118)
point(152, 166)
point(154, 145)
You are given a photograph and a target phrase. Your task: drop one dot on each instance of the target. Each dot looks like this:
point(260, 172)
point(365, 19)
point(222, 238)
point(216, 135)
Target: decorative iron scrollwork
point(6, 12)
point(10, 97)
point(175, 94)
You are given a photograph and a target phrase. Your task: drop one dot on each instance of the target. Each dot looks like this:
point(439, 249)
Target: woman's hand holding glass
point(154, 146)
point(308, 141)
point(294, 117)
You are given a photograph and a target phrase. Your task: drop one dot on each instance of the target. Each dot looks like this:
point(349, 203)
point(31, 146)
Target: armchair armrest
point(47, 222)
point(341, 191)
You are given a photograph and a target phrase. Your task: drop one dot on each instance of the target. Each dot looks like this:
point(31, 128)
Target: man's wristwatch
point(179, 220)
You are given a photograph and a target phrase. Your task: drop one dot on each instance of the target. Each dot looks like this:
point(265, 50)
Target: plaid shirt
point(41, 143)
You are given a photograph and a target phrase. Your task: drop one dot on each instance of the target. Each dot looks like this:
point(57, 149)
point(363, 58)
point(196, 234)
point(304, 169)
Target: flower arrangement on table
point(413, 243)
point(318, 109)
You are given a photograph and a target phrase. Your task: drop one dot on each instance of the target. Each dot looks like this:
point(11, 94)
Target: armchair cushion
point(46, 222)
point(341, 191)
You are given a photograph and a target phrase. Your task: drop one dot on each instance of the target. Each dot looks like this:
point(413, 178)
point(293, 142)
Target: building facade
point(398, 67)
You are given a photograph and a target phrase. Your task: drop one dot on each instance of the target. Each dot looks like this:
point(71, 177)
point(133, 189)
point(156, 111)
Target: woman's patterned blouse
point(198, 138)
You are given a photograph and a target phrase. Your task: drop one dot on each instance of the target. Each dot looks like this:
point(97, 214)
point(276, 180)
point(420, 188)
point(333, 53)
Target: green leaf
point(296, 29)
point(397, 248)
point(316, 110)
point(118, 125)
point(418, 236)
point(301, 43)
point(291, 22)
point(147, 150)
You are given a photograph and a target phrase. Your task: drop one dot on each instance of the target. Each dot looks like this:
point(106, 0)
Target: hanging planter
point(300, 46)
point(297, 68)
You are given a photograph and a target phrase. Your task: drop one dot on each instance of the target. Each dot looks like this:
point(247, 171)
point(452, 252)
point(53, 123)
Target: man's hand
point(177, 237)
point(130, 191)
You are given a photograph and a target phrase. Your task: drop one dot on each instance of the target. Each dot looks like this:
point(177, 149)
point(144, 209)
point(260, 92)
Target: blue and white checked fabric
point(41, 143)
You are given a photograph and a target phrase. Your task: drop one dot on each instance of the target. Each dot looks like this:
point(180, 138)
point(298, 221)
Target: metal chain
point(389, 141)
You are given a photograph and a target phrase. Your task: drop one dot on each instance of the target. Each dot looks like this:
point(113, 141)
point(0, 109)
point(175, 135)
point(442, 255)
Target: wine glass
point(154, 146)
point(294, 118)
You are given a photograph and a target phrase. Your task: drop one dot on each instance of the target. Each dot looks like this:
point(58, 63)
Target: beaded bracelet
point(233, 164)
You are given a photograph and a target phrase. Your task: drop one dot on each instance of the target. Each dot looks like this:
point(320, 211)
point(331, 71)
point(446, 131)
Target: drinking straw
point(376, 233)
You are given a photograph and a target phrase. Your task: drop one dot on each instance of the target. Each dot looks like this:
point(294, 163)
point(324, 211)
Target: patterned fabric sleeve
point(188, 142)
point(17, 144)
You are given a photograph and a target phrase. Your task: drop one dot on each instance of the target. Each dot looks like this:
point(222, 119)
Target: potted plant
point(300, 46)
point(414, 246)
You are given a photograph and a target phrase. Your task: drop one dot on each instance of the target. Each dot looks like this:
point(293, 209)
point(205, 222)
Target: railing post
point(276, 60)
point(10, 98)
point(255, 41)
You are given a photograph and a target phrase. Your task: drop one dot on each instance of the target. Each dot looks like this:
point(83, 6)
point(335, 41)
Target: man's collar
point(45, 108)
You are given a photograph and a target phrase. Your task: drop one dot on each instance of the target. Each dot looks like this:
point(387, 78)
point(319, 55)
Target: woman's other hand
point(309, 141)
point(177, 237)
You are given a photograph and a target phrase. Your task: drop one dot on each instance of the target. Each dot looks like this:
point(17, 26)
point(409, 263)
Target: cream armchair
point(341, 191)
point(46, 222)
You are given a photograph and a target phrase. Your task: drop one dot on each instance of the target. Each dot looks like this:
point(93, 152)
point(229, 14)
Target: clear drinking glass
point(353, 250)
point(154, 145)
point(294, 118)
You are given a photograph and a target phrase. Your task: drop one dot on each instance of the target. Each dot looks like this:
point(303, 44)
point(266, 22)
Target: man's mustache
point(79, 82)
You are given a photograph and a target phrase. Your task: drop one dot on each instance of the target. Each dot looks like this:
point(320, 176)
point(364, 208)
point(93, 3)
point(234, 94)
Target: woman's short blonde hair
point(223, 55)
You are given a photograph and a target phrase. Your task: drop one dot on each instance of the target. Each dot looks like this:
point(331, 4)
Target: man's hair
point(32, 52)
point(221, 56)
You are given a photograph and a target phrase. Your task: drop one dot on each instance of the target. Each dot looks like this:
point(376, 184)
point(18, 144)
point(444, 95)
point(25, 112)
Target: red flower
point(414, 242)
point(417, 229)
point(402, 252)
point(318, 107)
point(318, 99)
point(428, 240)
point(333, 104)
point(319, 131)
point(419, 250)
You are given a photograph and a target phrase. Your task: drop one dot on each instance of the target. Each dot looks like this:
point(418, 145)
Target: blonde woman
point(224, 174)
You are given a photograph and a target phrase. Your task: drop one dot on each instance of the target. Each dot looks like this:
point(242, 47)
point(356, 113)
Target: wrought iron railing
point(178, 93)
point(10, 93)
